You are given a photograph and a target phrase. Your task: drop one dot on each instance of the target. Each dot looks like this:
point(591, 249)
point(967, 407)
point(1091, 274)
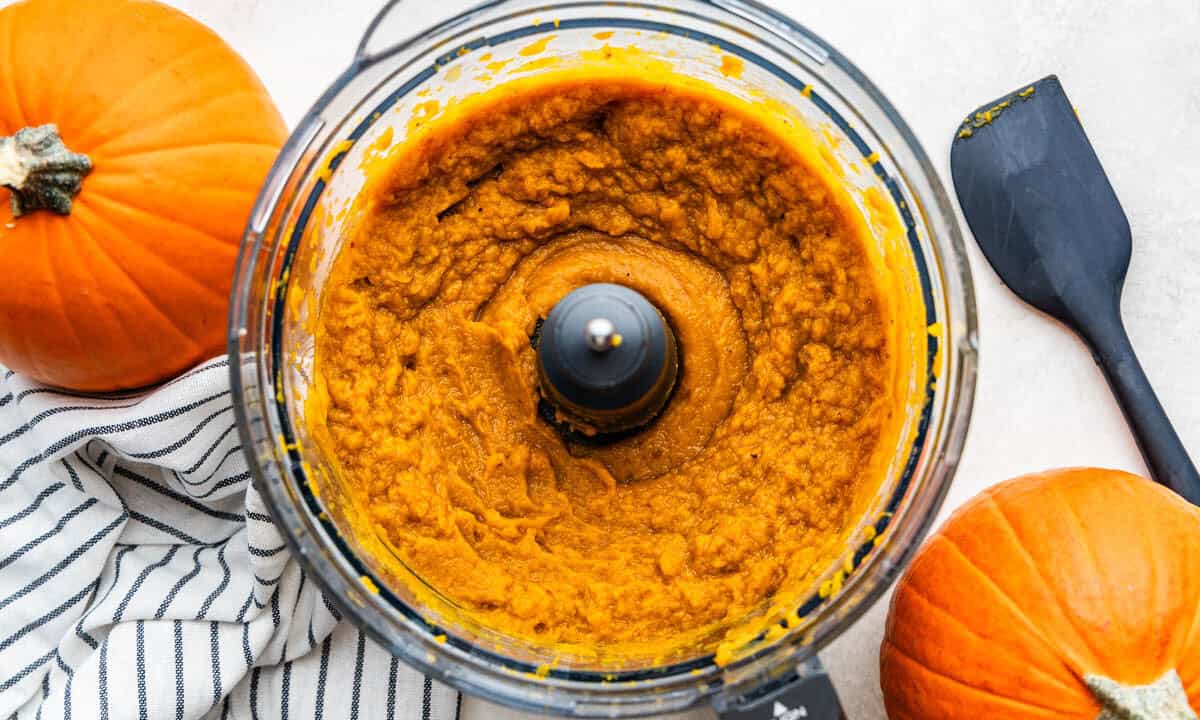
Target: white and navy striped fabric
point(141, 576)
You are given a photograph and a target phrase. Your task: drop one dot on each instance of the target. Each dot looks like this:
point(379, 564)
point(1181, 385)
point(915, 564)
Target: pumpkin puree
point(743, 487)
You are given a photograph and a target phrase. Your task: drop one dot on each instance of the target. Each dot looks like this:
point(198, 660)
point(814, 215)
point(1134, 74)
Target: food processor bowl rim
point(959, 291)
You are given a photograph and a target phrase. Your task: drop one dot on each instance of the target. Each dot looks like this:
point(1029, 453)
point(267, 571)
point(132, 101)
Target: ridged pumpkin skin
point(133, 285)
point(1038, 583)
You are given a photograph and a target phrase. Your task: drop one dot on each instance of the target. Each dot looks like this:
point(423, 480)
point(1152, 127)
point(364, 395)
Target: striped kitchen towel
point(141, 576)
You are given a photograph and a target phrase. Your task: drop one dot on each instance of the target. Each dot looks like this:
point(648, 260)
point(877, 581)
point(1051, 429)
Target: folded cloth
point(141, 575)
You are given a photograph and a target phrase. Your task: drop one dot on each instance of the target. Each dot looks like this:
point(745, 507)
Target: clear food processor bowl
point(398, 79)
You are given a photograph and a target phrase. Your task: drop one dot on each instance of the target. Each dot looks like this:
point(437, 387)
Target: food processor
point(400, 80)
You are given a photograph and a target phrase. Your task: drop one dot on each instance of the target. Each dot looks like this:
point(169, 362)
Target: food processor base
point(806, 693)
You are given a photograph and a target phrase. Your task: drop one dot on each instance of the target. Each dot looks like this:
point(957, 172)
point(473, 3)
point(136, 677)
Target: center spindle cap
point(607, 358)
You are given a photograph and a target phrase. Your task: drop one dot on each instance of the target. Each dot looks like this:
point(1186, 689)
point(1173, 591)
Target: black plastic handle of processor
point(805, 694)
point(1165, 455)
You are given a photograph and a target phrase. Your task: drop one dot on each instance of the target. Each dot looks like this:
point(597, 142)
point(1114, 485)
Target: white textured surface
point(1132, 69)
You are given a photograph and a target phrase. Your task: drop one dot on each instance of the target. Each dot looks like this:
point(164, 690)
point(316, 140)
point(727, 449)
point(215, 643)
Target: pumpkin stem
point(1163, 699)
point(40, 171)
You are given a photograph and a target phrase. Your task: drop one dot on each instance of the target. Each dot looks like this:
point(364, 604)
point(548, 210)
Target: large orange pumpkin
point(167, 135)
point(1069, 594)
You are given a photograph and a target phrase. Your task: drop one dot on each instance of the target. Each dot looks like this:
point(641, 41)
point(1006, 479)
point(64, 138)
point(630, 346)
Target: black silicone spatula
point(1042, 209)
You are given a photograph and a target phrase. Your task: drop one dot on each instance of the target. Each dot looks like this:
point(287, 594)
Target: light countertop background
point(1131, 67)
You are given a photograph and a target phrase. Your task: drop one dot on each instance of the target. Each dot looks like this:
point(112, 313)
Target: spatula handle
point(1164, 452)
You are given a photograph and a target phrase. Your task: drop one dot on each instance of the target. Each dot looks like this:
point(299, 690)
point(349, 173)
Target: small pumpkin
point(1067, 594)
point(133, 142)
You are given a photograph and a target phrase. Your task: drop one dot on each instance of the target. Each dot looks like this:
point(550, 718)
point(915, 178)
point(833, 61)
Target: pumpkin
point(1067, 594)
point(133, 142)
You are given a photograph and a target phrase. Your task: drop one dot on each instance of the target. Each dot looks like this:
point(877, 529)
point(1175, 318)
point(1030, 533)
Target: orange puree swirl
point(736, 494)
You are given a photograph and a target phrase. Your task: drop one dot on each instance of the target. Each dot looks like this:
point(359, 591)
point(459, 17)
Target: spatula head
point(1039, 203)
